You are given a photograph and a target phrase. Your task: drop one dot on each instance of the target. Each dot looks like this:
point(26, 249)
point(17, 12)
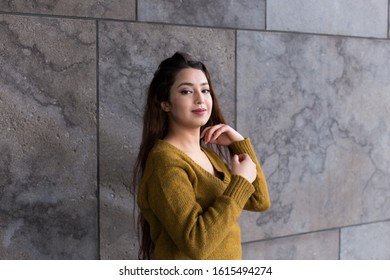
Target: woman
point(190, 199)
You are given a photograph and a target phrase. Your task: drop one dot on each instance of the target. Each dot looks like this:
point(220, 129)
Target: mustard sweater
point(193, 214)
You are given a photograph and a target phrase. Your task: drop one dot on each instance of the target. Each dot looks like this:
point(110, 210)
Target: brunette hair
point(156, 126)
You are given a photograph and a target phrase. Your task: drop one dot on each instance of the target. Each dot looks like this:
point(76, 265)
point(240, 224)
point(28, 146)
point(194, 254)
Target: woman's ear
point(165, 106)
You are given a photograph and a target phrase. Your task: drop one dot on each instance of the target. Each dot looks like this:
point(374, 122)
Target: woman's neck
point(186, 140)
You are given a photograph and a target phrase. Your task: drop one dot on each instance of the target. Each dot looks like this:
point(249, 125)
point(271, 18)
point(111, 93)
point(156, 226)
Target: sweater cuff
point(239, 190)
point(244, 146)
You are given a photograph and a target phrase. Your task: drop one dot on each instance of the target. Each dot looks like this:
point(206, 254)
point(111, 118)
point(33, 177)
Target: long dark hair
point(155, 126)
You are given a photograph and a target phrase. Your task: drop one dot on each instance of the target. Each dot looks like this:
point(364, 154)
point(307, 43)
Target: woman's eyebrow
point(191, 84)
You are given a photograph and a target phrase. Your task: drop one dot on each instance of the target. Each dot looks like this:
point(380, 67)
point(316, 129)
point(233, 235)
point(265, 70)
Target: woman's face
point(190, 101)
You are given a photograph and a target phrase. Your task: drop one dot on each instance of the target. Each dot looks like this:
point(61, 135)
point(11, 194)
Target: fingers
point(211, 133)
point(220, 134)
point(244, 166)
point(243, 157)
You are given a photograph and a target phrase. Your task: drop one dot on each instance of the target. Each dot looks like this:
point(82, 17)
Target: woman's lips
point(200, 111)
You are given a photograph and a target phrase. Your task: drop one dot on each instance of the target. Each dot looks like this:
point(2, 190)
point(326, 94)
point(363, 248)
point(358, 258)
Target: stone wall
point(309, 82)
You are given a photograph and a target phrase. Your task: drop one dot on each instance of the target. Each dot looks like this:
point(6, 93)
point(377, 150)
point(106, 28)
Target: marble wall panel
point(245, 14)
point(342, 17)
point(129, 54)
point(312, 246)
point(122, 9)
point(317, 110)
point(48, 206)
point(366, 242)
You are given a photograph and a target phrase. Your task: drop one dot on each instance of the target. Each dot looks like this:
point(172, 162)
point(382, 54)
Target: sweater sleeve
point(195, 231)
point(259, 200)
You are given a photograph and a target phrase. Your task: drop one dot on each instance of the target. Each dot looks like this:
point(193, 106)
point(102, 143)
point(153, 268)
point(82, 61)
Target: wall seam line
point(194, 26)
point(388, 19)
point(265, 15)
point(340, 243)
point(316, 231)
point(136, 10)
point(98, 141)
point(235, 80)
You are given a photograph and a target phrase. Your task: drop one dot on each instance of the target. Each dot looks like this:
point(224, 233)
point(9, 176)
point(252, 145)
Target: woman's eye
point(185, 91)
point(206, 91)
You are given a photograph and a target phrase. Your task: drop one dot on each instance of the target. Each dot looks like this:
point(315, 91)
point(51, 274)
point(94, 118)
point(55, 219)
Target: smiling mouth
point(201, 110)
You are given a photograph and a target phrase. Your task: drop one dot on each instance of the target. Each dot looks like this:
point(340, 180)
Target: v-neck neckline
point(211, 159)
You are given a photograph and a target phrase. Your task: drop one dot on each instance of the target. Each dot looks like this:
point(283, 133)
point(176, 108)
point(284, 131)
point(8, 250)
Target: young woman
point(190, 198)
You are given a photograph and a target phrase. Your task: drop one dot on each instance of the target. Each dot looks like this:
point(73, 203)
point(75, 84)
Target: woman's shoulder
point(164, 158)
point(163, 151)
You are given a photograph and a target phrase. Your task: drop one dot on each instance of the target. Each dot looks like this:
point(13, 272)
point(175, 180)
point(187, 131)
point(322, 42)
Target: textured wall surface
point(122, 9)
point(48, 138)
point(307, 81)
point(342, 17)
point(318, 114)
point(237, 14)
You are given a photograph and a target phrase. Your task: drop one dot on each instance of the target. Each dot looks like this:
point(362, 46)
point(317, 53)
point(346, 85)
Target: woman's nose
point(199, 98)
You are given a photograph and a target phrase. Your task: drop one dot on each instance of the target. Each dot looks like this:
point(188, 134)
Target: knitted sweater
point(193, 214)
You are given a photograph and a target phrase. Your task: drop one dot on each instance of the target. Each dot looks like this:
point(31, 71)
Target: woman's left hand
point(220, 134)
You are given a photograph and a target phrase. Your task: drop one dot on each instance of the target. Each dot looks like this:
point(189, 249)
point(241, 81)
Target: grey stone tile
point(120, 9)
point(366, 242)
point(48, 207)
point(317, 109)
point(218, 13)
point(129, 55)
point(312, 246)
point(341, 17)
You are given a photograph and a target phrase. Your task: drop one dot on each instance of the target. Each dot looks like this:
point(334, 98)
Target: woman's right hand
point(244, 166)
